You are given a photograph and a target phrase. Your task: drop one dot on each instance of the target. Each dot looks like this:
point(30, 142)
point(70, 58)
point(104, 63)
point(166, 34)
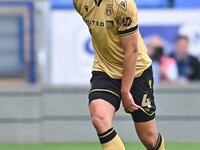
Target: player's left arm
point(128, 29)
point(130, 45)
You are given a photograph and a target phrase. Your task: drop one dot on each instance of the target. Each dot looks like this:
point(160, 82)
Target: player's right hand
point(129, 103)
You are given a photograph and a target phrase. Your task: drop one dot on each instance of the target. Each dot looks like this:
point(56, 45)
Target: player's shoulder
point(78, 4)
point(120, 3)
point(124, 4)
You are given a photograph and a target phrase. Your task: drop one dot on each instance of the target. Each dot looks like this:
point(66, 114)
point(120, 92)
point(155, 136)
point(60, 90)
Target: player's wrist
point(125, 88)
point(125, 91)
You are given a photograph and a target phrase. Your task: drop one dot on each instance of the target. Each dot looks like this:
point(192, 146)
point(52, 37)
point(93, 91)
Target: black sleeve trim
point(131, 30)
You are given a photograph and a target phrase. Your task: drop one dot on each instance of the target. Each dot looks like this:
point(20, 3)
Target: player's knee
point(149, 139)
point(99, 121)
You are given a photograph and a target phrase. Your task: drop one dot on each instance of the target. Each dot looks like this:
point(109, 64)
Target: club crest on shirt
point(127, 21)
point(123, 4)
point(109, 9)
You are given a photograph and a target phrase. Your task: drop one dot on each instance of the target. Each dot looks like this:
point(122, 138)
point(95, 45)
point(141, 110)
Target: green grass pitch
point(93, 146)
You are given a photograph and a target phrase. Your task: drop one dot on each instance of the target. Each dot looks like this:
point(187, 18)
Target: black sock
point(107, 136)
point(158, 143)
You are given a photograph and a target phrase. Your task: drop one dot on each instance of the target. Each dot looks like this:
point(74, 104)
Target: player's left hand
point(129, 103)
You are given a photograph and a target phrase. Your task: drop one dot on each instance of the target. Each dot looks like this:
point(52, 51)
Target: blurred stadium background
point(45, 61)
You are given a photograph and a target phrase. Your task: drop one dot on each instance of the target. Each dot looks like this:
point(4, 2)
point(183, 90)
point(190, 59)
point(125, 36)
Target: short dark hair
point(182, 37)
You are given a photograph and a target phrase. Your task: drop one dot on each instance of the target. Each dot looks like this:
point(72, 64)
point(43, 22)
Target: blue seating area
point(152, 3)
point(17, 41)
point(62, 4)
point(187, 4)
point(68, 4)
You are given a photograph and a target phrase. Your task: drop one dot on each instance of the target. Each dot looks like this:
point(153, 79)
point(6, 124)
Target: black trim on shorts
point(140, 116)
point(109, 97)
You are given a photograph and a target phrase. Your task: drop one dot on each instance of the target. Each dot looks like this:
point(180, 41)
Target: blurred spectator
point(188, 66)
point(164, 67)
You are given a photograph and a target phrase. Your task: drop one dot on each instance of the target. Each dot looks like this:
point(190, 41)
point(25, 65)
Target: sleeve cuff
point(128, 31)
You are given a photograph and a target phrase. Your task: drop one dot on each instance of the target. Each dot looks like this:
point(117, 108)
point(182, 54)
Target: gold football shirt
point(107, 20)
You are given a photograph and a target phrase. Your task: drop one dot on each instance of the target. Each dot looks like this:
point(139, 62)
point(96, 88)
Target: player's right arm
point(75, 2)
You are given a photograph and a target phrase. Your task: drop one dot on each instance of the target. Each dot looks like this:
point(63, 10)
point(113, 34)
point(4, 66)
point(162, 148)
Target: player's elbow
point(135, 50)
point(132, 51)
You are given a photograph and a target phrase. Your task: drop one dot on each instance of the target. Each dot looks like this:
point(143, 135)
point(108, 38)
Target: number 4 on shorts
point(146, 101)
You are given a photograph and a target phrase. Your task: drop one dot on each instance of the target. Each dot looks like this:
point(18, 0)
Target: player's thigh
point(102, 109)
point(104, 100)
point(146, 130)
point(102, 113)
